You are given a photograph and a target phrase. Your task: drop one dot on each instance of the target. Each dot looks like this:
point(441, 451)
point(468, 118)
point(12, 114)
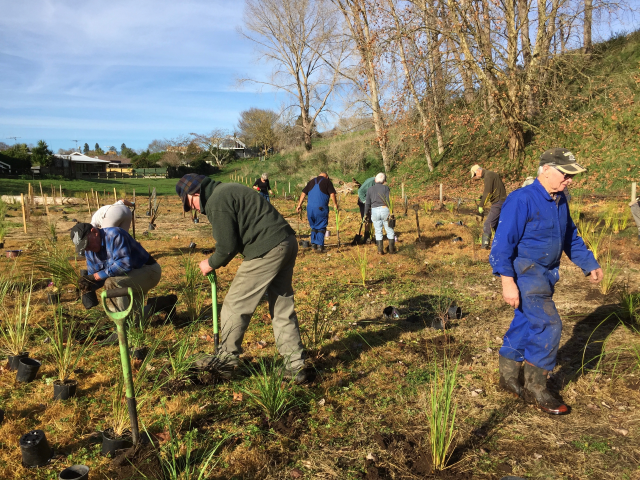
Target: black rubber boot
point(510, 375)
point(380, 244)
point(485, 241)
point(392, 245)
point(319, 248)
point(535, 391)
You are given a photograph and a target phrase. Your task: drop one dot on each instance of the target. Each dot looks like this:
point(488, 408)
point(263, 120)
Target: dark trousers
point(491, 223)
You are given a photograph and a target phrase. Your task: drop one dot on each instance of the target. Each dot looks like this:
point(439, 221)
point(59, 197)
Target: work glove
point(480, 210)
point(87, 283)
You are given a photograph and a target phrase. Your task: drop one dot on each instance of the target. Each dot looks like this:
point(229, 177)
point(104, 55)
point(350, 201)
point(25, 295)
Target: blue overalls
point(318, 213)
point(533, 232)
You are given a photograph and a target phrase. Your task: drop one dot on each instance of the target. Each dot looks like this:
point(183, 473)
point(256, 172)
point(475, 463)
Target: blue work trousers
point(318, 220)
point(534, 333)
point(379, 217)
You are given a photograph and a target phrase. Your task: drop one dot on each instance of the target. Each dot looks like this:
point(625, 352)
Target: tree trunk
point(516, 142)
point(588, 19)
point(427, 152)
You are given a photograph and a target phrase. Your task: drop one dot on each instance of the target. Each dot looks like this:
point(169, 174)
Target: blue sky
point(122, 71)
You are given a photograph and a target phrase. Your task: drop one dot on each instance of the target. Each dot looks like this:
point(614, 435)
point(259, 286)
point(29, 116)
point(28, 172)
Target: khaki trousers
point(141, 280)
point(635, 211)
point(273, 273)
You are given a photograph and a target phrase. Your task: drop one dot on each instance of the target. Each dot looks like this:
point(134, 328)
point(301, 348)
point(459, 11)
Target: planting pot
point(112, 443)
point(1, 415)
point(390, 313)
point(13, 253)
point(152, 226)
point(64, 390)
point(53, 298)
point(438, 324)
point(148, 214)
point(90, 300)
point(391, 221)
point(27, 370)
point(1, 244)
point(83, 272)
point(192, 246)
point(439, 224)
point(36, 451)
point(305, 243)
point(456, 240)
point(76, 472)
point(454, 312)
point(196, 220)
point(139, 353)
point(13, 361)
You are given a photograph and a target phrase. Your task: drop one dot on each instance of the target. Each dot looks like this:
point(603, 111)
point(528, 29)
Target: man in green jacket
point(362, 198)
point(495, 194)
point(243, 222)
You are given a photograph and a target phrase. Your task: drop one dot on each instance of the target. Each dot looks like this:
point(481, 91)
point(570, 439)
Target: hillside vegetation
point(595, 113)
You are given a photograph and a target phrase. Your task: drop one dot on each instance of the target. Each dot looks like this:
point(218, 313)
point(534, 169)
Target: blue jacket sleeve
point(119, 263)
point(513, 219)
point(577, 251)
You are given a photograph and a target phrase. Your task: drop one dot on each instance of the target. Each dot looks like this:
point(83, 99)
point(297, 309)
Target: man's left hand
point(596, 275)
point(205, 268)
point(96, 276)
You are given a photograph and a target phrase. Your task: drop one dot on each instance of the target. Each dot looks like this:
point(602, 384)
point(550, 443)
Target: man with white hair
point(535, 228)
point(378, 202)
point(494, 193)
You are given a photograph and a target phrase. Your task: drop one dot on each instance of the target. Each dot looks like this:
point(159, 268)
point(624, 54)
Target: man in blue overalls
point(535, 228)
point(319, 190)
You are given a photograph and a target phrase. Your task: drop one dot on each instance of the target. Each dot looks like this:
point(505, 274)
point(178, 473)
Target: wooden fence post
point(133, 214)
point(88, 204)
point(60, 194)
point(633, 191)
point(46, 206)
point(115, 197)
point(24, 214)
point(441, 196)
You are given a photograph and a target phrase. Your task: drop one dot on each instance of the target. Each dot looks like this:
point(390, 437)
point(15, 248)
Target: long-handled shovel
point(119, 318)
point(214, 309)
point(357, 240)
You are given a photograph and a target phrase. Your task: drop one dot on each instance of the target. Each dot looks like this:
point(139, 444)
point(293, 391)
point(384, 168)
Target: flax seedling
point(192, 292)
point(360, 259)
point(442, 412)
point(15, 326)
point(610, 272)
point(272, 391)
point(337, 213)
point(319, 327)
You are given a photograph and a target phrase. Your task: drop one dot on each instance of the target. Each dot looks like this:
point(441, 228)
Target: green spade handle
point(214, 308)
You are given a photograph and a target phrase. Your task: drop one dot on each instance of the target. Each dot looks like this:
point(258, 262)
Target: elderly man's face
point(555, 180)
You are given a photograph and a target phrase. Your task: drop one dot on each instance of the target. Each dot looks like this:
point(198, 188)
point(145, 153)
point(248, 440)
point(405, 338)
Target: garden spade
point(119, 319)
point(416, 207)
point(357, 240)
point(214, 309)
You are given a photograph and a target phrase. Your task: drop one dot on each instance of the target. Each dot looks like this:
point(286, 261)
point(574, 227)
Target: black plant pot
point(152, 226)
point(76, 472)
point(36, 451)
point(139, 353)
point(1, 416)
point(148, 214)
point(64, 390)
point(13, 361)
point(192, 246)
point(27, 370)
point(392, 221)
point(112, 443)
point(454, 312)
point(1, 244)
point(53, 298)
point(90, 300)
point(196, 220)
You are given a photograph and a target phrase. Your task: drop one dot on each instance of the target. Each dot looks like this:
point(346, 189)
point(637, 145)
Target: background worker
point(263, 187)
point(495, 194)
point(319, 190)
point(242, 222)
point(635, 212)
point(535, 229)
point(115, 258)
point(377, 202)
point(116, 215)
point(362, 198)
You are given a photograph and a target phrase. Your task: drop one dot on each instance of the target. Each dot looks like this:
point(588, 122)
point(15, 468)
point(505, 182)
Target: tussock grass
point(271, 391)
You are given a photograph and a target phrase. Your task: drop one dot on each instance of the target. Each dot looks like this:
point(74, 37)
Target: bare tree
point(298, 37)
point(586, 31)
point(360, 18)
point(158, 146)
point(212, 144)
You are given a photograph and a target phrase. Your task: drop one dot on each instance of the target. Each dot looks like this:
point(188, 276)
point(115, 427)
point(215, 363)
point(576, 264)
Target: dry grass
point(372, 374)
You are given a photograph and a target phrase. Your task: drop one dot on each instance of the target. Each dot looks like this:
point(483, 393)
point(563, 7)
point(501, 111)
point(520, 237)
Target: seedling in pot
point(15, 323)
point(66, 351)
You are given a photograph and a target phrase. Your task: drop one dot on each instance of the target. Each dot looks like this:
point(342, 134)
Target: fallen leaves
point(237, 396)
point(296, 473)
point(261, 344)
point(622, 431)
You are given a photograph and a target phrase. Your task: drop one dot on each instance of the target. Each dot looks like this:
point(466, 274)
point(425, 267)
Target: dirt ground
point(365, 416)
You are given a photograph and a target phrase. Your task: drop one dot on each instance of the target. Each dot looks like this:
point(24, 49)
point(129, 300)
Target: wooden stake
point(88, 204)
point(92, 195)
point(133, 214)
point(46, 206)
point(60, 194)
point(41, 194)
point(115, 197)
point(633, 191)
point(441, 196)
point(24, 214)
point(289, 187)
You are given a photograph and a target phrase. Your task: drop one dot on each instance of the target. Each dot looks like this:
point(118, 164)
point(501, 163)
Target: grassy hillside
point(591, 108)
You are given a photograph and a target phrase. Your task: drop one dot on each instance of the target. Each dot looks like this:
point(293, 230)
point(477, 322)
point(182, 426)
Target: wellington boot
point(485, 241)
point(319, 248)
point(535, 391)
point(380, 244)
point(392, 245)
point(510, 375)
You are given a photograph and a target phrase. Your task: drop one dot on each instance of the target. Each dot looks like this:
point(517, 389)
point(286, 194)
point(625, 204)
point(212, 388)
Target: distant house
point(232, 143)
point(74, 165)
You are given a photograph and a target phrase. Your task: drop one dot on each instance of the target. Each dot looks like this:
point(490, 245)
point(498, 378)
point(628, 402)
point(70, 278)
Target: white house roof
point(78, 157)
